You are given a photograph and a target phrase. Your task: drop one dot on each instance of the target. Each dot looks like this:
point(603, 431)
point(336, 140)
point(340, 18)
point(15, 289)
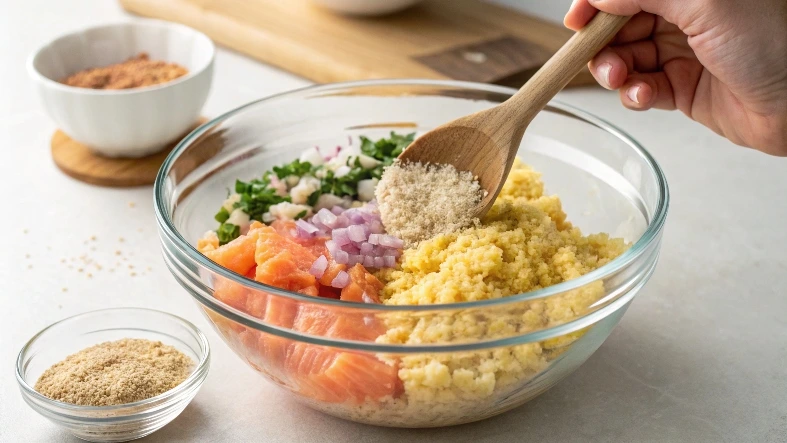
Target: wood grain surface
point(79, 162)
point(438, 39)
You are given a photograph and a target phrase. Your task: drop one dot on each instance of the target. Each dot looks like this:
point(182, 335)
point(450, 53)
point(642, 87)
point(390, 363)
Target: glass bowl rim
point(654, 227)
point(199, 372)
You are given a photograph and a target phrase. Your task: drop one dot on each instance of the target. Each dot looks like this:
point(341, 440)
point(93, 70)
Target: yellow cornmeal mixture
point(524, 243)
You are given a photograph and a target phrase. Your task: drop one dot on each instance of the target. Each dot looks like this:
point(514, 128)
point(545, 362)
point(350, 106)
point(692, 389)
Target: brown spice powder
point(135, 72)
point(418, 201)
point(115, 373)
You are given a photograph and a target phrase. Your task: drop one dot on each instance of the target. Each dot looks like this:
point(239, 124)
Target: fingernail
point(603, 73)
point(632, 94)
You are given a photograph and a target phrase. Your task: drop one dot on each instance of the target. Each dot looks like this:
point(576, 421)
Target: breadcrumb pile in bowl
point(524, 243)
point(470, 323)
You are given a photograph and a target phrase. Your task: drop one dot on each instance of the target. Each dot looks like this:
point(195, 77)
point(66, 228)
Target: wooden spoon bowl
point(486, 143)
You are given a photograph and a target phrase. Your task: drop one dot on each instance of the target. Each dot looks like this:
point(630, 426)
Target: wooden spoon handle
point(565, 64)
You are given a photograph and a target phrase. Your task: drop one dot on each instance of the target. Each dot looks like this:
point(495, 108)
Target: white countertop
point(700, 356)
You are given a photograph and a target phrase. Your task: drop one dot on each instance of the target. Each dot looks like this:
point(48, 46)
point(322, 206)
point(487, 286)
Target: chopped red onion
point(326, 217)
point(368, 216)
point(342, 221)
point(340, 236)
point(389, 261)
point(357, 236)
point(366, 248)
point(376, 227)
point(393, 252)
point(391, 242)
point(341, 257)
point(358, 233)
point(332, 247)
point(341, 280)
point(306, 226)
point(319, 266)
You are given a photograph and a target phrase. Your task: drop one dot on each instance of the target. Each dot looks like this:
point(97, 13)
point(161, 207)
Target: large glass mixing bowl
point(606, 181)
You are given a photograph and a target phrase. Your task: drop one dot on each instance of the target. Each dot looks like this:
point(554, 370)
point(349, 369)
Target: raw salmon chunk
point(363, 288)
point(322, 373)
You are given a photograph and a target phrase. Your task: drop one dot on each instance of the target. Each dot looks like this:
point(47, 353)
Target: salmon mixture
point(313, 227)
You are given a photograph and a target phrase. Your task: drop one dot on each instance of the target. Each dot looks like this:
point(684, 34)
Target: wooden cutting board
point(438, 39)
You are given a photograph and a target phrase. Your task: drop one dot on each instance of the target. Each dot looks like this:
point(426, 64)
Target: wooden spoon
point(486, 143)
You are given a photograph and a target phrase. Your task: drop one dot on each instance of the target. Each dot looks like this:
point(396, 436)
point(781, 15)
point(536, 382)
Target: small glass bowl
point(121, 422)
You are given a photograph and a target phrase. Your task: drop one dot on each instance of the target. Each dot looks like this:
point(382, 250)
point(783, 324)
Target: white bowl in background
point(366, 7)
point(125, 122)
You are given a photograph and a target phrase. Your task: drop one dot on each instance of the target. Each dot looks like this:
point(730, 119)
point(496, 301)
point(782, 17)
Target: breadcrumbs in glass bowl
point(117, 422)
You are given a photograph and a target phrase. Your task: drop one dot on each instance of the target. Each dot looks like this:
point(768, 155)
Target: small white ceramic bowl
point(366, 7)
point(127, 122)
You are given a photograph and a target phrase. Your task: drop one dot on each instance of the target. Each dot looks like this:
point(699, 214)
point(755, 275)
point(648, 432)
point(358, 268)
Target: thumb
point(678, 12)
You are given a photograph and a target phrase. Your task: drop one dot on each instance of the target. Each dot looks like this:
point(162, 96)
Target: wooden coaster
point(79, 162)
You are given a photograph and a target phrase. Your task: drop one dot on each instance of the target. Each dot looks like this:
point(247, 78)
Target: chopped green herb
point(301, 214)
point(313, 197)
point(296, 167)
point(386, 149)
point(257, 195)
point(258, 201)
point(222, 215)
point(227, 232)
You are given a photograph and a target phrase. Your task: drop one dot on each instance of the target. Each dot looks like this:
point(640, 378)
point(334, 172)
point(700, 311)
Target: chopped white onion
point(238, 218)
point(342, 171)
point(229, 203)
point(327, 201)
point(367, 162)
point(366, 189)
point(312, 156)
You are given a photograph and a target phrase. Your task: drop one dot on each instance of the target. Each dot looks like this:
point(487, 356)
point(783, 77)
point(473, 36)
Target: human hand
point(723, 63)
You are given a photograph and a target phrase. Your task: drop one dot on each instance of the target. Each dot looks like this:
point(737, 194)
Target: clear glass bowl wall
point(606, 181)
